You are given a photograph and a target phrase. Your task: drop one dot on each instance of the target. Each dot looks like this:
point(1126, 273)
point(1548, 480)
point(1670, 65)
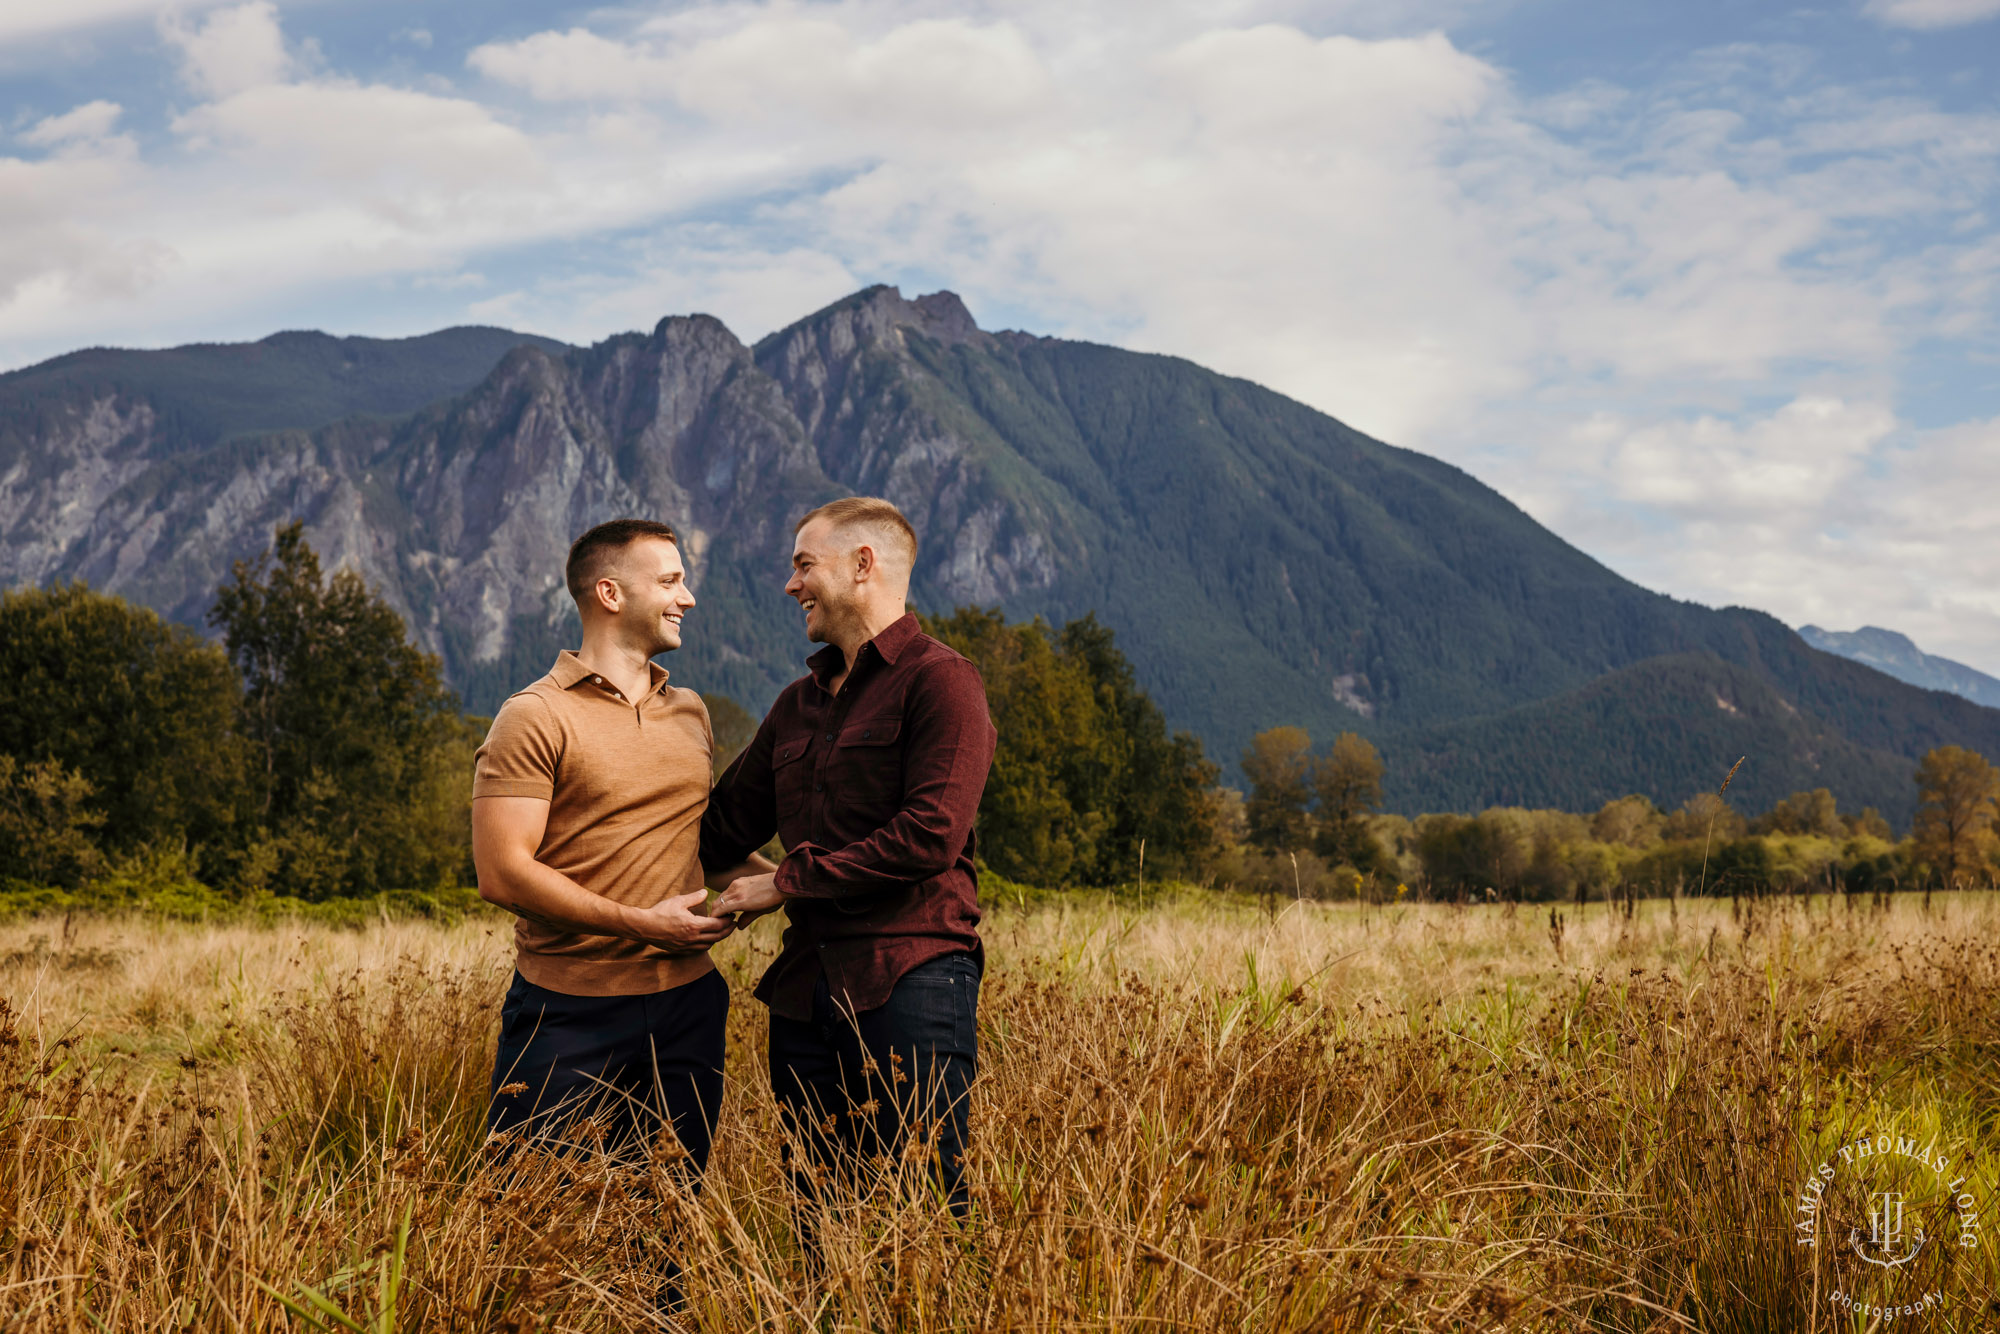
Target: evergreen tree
point(1044, 808)
point(359, 763)
point(1160, 795)
point(1085, 770)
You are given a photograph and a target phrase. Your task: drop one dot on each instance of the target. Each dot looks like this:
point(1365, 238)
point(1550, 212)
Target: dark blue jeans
point(630, 1064)
point(851, 1086)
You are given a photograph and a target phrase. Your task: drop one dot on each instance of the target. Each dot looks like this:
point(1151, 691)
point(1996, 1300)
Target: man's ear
point(865, 563)
point(610, 597)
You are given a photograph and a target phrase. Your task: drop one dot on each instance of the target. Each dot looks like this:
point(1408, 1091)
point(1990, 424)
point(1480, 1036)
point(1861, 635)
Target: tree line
point(315, 755)
point(1311, 824)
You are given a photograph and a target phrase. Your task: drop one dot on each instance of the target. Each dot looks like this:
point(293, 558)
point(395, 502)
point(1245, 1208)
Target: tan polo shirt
point(626, 785)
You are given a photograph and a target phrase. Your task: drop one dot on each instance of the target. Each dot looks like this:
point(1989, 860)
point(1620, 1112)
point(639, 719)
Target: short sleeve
point(707, 728)
point(521, 752)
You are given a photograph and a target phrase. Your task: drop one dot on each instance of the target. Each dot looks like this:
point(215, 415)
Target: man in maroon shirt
point(869, 770)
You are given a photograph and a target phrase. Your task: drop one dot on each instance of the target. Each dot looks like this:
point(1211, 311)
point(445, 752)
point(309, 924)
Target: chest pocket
point(791, 777)
point(872, 732)
point(867, 763)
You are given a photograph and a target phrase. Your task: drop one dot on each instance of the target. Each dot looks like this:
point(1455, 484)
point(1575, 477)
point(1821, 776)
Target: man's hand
point(505, 833)
point(750, 897)
point(674, 923)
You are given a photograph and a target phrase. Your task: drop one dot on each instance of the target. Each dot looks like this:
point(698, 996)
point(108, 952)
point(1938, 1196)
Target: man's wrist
point(632, 924)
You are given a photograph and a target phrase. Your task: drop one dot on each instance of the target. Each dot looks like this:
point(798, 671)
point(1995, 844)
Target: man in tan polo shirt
point(586, 824)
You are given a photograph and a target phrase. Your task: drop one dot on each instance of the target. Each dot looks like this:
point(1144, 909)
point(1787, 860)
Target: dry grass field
point(1195, 1114)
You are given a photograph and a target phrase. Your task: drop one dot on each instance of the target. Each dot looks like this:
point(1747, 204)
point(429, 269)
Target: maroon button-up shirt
point(873, 793)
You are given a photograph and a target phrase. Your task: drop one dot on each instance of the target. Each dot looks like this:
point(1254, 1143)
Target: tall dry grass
point(1196, 1114)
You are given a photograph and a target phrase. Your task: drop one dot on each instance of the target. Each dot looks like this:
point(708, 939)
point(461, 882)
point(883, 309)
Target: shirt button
point(829, 736)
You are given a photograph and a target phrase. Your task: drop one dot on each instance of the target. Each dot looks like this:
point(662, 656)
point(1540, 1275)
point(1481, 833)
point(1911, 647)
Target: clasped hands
point(680, 922)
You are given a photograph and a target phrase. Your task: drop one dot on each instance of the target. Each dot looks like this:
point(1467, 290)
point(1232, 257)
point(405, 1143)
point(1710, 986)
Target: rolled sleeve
point(522, 752)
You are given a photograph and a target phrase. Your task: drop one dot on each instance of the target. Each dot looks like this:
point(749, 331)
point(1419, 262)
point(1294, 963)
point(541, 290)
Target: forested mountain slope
point(1260, 562)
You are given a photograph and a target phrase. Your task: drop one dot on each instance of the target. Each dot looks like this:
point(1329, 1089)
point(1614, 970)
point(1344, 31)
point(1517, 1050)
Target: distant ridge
point(1260, 562)
point(1893, 653)
point(202, 393)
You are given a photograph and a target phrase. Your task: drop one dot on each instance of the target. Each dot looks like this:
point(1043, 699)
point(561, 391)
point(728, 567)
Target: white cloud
point(231, 50)
point(1275, 85)
point(329, 133)
point(1798, 458)
point(787, 71)
point(937, 74)
point(693, 270)
point(1824, 510)
point(20, 19)
point(1594, 298)
point(577, 65)
point(1931, 13)
point(92, 120)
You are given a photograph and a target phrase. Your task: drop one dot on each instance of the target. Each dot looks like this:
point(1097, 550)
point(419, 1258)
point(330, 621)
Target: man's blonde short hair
point(882, 522)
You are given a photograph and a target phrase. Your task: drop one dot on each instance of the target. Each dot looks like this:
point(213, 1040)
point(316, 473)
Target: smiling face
point(823, 583)
point(652, 594)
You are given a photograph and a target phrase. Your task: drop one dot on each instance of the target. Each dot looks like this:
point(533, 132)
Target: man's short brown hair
point(881, 517)
point(589, 554)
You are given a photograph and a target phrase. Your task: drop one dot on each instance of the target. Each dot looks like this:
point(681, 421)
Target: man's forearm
point(549, 898)
point(755, 864)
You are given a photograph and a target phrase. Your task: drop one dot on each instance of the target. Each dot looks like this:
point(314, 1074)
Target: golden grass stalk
point(1188, 1118)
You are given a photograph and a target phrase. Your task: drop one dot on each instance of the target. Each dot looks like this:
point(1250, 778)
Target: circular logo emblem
point(1887, 1221)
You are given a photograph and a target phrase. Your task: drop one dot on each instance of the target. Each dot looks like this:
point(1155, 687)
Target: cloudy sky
point(1708, 286)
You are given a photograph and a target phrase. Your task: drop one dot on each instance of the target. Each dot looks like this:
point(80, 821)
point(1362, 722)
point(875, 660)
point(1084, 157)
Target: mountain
point(1887, 651)
point(1260, 562)
point(77, 430)
point(1607, 736)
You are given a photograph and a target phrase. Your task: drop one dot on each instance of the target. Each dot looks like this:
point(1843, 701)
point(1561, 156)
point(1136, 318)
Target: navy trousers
point(852, 1086)
point(629, 1065)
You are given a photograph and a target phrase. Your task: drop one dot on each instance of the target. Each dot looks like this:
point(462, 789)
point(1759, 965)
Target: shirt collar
point(569, 672)
point(889, 642)
point(896, 637)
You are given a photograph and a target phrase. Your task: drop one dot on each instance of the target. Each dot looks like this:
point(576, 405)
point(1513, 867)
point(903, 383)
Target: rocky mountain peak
point(1898, 655)
point(703, 334)
point(871, 317)
point(1260, 563)
point(945, 318)
point(526, 366)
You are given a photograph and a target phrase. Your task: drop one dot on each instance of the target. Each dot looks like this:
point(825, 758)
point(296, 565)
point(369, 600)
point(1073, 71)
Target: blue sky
point(1709, 288)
